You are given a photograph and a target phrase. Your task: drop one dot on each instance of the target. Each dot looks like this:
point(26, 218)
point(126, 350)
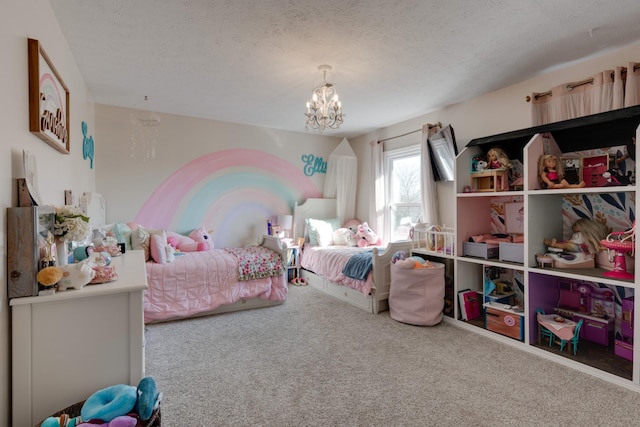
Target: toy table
point(490, 180)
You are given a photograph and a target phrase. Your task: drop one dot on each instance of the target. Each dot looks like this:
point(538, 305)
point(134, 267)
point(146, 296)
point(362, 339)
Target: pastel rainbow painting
point(231, 191)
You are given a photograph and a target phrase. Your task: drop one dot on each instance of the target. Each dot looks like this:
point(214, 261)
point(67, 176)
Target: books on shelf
point(470, 304)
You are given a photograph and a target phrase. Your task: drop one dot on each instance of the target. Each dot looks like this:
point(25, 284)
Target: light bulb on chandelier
point(324, 109)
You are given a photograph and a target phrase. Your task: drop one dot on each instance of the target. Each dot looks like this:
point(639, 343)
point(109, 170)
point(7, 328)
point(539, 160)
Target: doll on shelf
point(497, 159)
point(586, 238)
point(551, 173)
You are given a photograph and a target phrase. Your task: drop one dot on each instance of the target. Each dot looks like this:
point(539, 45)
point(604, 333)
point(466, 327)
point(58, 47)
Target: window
point(402, 169)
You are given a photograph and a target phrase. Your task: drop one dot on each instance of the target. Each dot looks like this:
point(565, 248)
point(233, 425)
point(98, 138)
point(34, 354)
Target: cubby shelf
point(549, 214)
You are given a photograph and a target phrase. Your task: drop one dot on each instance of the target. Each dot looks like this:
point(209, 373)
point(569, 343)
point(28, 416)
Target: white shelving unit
point(544, 211)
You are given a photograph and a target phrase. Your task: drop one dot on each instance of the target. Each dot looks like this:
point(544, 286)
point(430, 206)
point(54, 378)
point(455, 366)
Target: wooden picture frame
point(48, 100)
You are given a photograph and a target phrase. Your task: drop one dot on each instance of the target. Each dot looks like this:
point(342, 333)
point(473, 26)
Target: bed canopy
point(341, 180)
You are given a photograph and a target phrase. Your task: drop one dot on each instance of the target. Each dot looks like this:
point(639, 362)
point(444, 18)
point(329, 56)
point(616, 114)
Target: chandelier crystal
point(324, 109)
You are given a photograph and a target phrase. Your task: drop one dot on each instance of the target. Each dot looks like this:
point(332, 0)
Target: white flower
point(71, 223)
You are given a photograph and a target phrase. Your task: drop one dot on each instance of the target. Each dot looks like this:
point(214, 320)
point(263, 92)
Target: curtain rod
point(571, 86)
point(409, 133)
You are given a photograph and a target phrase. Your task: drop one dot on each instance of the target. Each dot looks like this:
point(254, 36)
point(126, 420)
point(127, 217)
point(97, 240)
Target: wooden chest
point(505, 323)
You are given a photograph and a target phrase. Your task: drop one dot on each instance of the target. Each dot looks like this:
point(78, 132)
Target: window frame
point(389, 157)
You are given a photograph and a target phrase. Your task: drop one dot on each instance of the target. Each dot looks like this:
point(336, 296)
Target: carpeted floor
point(316, 361)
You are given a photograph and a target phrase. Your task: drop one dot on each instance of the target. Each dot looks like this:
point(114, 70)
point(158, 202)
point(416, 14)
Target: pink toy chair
point(620, 243)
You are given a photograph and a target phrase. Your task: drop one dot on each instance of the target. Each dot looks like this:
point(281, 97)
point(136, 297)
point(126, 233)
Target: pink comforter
point(329, 261)
point(198, 282)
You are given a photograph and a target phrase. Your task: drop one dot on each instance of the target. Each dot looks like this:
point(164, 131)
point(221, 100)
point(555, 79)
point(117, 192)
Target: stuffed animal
point(121, 421)
point(76, 275)
point(49, 276)
point(345, 237)
point(366, 236)
point(352, 225)
point(399, 256)
point(198, 240)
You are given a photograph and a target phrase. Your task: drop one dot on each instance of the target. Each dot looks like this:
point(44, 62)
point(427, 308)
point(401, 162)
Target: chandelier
point(324, 109)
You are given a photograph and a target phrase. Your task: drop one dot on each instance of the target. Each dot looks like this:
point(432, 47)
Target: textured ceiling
point(255, 62)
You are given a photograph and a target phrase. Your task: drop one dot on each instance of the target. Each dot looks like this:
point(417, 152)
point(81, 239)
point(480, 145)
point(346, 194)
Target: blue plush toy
point(112, 405)
point(398, 256)
point(148, 398)
point(109, 403)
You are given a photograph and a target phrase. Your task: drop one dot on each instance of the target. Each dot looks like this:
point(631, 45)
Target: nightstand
point(292, 263)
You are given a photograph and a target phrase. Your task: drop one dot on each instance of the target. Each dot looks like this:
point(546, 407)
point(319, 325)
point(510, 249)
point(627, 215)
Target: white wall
point(500, 111)
point(127, 183)
point(20, 20)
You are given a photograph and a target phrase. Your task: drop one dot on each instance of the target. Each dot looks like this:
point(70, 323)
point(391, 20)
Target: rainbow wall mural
point(231, 191)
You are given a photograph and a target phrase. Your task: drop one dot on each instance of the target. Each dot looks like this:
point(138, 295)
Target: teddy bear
point(198, 240)
point(366, 236)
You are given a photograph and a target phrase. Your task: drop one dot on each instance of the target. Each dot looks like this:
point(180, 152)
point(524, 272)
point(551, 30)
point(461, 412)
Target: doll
point(551, 173)
point(497, 159)
point(586, 237)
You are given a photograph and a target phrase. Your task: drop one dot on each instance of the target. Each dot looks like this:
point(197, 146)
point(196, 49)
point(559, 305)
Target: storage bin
point(416, 295)
point(513, 252)
point(481, 250)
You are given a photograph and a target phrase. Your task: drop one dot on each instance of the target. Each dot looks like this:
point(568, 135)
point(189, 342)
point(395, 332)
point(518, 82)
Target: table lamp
point(285, 222)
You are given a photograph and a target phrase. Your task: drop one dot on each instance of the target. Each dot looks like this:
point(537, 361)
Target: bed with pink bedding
point(323, 266)
point(215, 281)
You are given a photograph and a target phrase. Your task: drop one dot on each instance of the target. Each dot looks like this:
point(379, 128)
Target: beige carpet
point(316, 361)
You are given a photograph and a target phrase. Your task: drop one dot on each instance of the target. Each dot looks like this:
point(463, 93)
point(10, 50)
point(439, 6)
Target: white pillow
point(321, 231)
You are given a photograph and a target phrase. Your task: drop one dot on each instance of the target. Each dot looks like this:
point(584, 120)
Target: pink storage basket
point(416, 296)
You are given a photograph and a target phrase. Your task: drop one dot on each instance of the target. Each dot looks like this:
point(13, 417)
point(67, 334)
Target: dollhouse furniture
point(490, 180)
point(593, 168)
point(620, 243)
point(558, 326)
point(624, 345)
point(543, 332)
point(594, 305)
point(502, 319)
point(573, 340)
point(67, 345)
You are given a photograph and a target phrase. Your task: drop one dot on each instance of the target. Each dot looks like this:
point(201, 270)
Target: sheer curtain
point(427, 183)
point(571, 100)
point(632, 91)
point(604, 91)
point(377, 211)
point(342, 179)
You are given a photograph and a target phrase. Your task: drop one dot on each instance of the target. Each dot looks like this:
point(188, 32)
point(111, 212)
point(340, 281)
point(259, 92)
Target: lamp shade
point(285, 221)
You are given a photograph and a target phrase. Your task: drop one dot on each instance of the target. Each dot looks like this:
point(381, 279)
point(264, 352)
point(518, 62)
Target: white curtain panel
point(342, 179)
point(618, 89)
point(377, 211)
point(608, 90)
point(632, 91)
point(429, 197)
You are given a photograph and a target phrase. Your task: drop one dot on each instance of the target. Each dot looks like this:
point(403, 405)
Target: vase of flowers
point(71, 225)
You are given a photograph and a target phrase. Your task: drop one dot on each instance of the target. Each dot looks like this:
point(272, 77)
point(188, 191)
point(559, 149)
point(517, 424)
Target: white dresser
point(68, 345)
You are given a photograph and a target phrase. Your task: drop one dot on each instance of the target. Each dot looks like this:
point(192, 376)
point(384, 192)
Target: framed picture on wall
point(48, 100)
point(514, 217)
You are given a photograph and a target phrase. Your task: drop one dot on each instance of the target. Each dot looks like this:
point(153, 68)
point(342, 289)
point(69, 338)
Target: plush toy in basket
point(119, 405)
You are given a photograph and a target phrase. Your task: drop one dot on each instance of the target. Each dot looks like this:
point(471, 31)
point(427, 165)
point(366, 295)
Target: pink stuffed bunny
point(198, 240)
point(366, 236)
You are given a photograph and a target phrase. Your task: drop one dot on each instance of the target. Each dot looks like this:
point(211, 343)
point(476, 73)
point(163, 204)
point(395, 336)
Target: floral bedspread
point(256, 262)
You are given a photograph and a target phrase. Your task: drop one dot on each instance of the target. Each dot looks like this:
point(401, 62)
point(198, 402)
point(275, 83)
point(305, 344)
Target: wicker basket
point(74, 411)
